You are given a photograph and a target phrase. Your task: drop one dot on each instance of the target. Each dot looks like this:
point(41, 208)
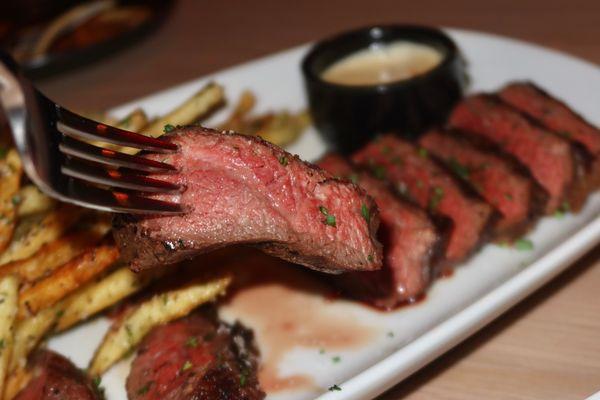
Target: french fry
point(52, 255)
point(124, 335)
point(9, 287)
point(97, 296)
point(29, 332)
point(51, 227)
point(134, 121)
point(283, 128)
point(15, 382)
point(193, 109)
point(67, 279)
point(237, 119)
point(10, 177)
point(32, 201)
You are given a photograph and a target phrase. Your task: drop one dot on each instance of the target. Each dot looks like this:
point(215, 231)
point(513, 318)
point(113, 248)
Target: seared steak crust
point(241, 189)
point(409, 238)
point(195, 358)
point(420, 178)
point(56, 378)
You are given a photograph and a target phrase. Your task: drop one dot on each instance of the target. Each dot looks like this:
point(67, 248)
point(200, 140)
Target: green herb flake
point(96, 382)
point(423, 152)
point(390, 334)
point(243, 377)
point(566, 134)
point(283, 160)
point(334, 388)
point(2, 344)
point(323, 210)
point(168, 128)
point(508, 196)
point(459, 169)
point(386, 149)
point(60, 313)
point(16, 200)
point(436, 197)
point(187, 365)
point(524, 244)
point(336, 359)
point(353, 178)
point(144, 389)
point(191, 342)
point(378, 171)
point(364, 210)
point(330, 220)
point(370, 257)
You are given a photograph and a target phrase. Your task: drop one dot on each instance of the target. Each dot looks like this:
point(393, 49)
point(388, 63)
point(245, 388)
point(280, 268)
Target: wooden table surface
point(548, 347)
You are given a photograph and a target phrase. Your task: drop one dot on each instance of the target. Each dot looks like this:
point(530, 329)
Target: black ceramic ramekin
point(349, 116)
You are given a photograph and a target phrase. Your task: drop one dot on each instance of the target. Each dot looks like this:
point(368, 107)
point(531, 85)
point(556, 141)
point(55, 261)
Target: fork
point(53, 144)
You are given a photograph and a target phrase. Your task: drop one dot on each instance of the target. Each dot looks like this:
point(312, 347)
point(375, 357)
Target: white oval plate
point(491, 282)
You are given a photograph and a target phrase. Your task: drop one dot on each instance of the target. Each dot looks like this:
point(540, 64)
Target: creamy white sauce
point(383, 63)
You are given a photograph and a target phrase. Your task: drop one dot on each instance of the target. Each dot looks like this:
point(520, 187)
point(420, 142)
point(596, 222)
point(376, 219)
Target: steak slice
point(56, 378)
point(550, 159)
point(409, 239)
point(242, 189)
point(513, 194)
point(195, 358)
point(558, 117)
point(415, 175)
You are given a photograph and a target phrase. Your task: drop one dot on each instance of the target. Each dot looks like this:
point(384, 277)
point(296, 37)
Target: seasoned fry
point(283, 128)
point(237, 119)
point(15, 382)
point(127, 333)
point(67, 279)
point(134, 121)
point(9, 287)
point(100, 295)
point(10, 177)
point(51, 227)
point(52, 255)
point(32, 201)
point(193, 109)
point(29, 332)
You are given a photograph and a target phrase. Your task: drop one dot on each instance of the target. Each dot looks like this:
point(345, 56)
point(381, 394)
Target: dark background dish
point(348, 116)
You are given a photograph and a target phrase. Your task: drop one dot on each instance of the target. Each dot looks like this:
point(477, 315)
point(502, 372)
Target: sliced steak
point(414, 174)
point(56, 378)
point(550, 159)
point(195, 358)
point(409, 242)
point(516, 197)
point(558, 117)
point(242, 189)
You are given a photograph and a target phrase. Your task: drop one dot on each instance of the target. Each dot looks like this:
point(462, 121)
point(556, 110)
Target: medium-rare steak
point(56, 378)
point(242, 189)
point(414, 174)
point(195, 358)
point(409, 242)
point(516, 197)
point(558, 117)
point(550, 158)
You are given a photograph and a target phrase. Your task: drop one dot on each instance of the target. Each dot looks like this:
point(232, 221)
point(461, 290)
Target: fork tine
point(118, 179)
point(77, 126)
point(114, 201)
point(85, 151)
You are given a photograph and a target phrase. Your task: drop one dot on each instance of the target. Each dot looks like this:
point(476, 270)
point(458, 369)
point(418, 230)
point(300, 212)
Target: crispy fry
point(52, 255)
point(15, 382)
point(282, 128)
point(100, 295)
point(32, 201)
point(193, 109)
point(67, 279)
point(134, 121)
point(29, 332)
point(51, 227)
point(10, 177)
point(127, 333)
point(237, 120)
point(9, 287)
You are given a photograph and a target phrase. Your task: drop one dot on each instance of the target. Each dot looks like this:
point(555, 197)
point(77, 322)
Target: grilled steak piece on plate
point(552, 160)
point(516, 197)
point(241, 189)
point(418, 177)
point(409, 239)
point(195, 358)
point(56, 378)
point(558, 117)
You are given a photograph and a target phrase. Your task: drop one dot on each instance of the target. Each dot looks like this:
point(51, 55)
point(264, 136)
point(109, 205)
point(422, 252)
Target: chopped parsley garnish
point(168, 128)
point(187, 365)
point(144, 389)
point(353, 178)
point(334, 388)
point(60, 313)
point(565, 206)
point(390, 334)
point(283, 160)
point(129, 333)
point(459, 169)
point(329, 219)
point(524, 244)
point(243, 377)
point(508, 196)
point(436, 197)
point(364, 210)
point(16, 200)
point(336, 359)
point(97, 381)
point(378, 171)
point(423, 152)
point(370, 257)
point(192, 342)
